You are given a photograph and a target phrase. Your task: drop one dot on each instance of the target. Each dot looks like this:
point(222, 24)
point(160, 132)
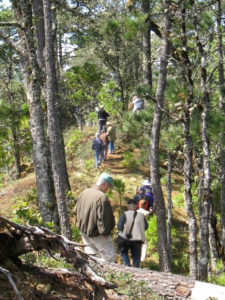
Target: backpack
point(97, 144)
point(145, 193)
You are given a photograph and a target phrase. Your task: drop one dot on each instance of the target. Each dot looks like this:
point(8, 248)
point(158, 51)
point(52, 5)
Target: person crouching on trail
point(131, 236)
point(97, 146)
point(95, 219)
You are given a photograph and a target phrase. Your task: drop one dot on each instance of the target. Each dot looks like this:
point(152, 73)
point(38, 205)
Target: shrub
point(129, 161)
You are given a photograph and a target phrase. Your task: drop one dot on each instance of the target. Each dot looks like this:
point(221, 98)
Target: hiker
point(131, 236)
point(141, 209)
point(137, 104)
point(97, 146)
point(102, 117)
point(95, 219)
point(111, 132)
point(145, 212)
point(145, 192)
point(105, 141)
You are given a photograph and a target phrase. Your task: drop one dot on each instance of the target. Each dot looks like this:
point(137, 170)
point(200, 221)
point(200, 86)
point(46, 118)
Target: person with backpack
point(111, 133)
point(145, 192)
point(137, 104)
point(105, 141)
point(131, 236)
point(97, 146)
point(102, 117)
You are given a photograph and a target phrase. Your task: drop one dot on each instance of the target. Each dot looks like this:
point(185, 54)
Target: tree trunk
point(206, 199)
point(154, 146)
point(213, 236)
point(39, 28)
point(54, 131)
point(58, 103)
point(16, 150)
point(147, 67)
point(30, 72)
point(169, 205)
point(222, 107)
point(13, 127)
point(188, 154)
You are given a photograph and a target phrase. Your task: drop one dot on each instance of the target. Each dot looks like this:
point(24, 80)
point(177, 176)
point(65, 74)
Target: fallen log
point(84, 279)
point(170, 286)
point(16, 240)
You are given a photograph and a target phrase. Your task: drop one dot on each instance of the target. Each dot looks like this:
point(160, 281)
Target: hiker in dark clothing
point(105, 141)
point(97, 146)
point(132, 226)
point(145, 192)
point(102, 118)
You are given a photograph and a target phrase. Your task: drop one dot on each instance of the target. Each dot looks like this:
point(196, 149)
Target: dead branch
point(8, 275)
point(16, 240)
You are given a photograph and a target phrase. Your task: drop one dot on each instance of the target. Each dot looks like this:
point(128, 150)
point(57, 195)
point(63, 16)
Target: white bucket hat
point(146, 182)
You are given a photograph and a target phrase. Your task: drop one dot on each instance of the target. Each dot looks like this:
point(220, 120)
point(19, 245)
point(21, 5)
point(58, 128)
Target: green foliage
point(129, 160)
point(151, 233)
point(89, 164)
point(133, 25)
point(178, 200)
point(73, 142)
point(14, 127)
point(43, 259)
point(219, 277)
point(109, 96)
point(26, 214)
point(76, 237)
point(129, 287)
point(119, 187)
point(26, 211)
point(112, 27)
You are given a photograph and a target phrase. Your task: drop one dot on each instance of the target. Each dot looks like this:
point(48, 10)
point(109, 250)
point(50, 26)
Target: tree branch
point(10, 42)
point(15, 24)
point(8, 275)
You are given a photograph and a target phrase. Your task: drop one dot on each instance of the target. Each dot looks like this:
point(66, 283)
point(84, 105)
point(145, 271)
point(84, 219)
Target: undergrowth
point(129, 287)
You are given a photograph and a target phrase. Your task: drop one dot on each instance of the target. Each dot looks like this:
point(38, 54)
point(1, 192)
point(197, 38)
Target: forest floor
point(83, 174)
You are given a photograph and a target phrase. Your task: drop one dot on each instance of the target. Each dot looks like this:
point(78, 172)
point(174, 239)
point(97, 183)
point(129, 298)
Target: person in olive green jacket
point(111, 132)
point(95, 219)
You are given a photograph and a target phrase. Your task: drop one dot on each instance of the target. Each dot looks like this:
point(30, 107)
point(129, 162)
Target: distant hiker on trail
point(97, 146)
point(137, 104)
point(132, 226)
point(105, 141)
point(111, 132)
point(145, 192)
point(95, 219)
point(102, 117)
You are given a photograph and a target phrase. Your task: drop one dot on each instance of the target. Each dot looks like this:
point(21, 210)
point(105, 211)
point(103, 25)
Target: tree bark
point(13, 126)
point(30, 72)
point(169, 205)
point(188, 153)
point(154, 146)
point(54, 131)
point(222, 107)
point(206, 199)
point(146, 41)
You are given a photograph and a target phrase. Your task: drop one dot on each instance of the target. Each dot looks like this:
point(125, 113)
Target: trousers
point(101, 245)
